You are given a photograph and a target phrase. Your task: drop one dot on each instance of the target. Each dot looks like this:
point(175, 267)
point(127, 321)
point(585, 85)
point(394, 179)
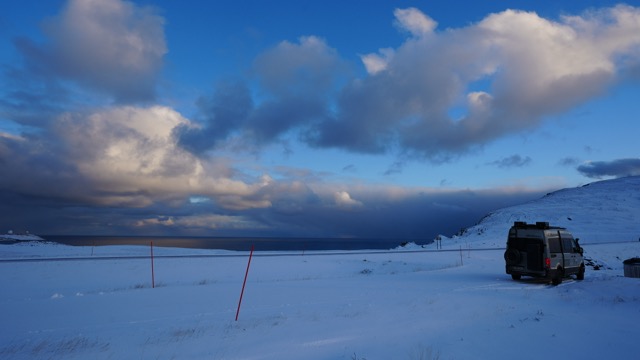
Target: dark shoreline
point(235, 243)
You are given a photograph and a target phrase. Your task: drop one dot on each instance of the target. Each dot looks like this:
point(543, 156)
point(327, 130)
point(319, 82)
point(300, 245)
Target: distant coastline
point(236, 243)
point(14, 237)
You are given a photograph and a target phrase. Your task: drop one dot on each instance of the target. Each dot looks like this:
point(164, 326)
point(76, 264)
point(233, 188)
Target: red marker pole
point(153, 281)
point(244, 282)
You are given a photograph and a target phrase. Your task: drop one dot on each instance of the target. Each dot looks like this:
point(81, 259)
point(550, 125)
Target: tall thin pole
point(244, 282)
point(153, 281)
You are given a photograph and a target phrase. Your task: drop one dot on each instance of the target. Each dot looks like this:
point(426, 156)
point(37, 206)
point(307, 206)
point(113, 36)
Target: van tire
point(557, 280)
point(512, 256)
point(516, 276)
point(580, 274)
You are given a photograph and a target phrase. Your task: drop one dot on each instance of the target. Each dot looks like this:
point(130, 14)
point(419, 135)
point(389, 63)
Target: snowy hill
point(604, 211)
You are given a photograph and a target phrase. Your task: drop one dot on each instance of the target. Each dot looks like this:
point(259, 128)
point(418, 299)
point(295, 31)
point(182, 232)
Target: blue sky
point(302, 118)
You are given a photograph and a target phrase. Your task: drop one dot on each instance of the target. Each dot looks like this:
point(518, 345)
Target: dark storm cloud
point(296, 79)
point(308, 68)
point(275, 118)
point(222, 114)
point(415, 215)
point(296, 210)
point(299, 210)
point(32, 165)
point(230, 115)
point(111, 46)
point(30, 97)
point(512, 161)
point(615, 168)
point(119, 172)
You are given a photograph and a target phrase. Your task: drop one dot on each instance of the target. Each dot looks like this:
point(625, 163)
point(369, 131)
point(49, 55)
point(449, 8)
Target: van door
point(535, 259)
point(570, 255)
point(555, 252)
point(567, 250)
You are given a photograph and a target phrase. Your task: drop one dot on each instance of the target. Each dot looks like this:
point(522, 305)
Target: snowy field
point(407, 303)
point(379, 305)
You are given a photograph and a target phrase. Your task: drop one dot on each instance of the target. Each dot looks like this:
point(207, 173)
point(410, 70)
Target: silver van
point(544, 251)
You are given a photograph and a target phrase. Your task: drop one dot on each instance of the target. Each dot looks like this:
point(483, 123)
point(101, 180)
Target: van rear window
point(521, 243)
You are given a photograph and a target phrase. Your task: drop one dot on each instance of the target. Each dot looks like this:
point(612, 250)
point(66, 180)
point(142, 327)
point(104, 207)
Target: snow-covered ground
point(406, 303)
point(10, 236)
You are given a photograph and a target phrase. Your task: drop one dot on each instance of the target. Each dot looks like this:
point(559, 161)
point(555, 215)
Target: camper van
point(544, 251)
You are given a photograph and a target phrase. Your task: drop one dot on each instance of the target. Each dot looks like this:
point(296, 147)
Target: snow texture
point(10, 236)
point(413, 302)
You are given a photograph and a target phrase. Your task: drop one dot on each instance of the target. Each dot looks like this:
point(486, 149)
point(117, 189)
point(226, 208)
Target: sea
point(237, 243)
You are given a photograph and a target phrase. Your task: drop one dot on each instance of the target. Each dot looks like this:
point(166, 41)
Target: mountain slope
point(603, 211)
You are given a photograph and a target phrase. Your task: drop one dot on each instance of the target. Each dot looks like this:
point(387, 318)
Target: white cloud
point(414, 21)
point(521, 67)
point(479, 100)
point(342, 198)
point(131, 157)
point(538, 52)
point(374, 63)
point(123, 142)
point(301, 68)
point(505, 74)
point(111, 46)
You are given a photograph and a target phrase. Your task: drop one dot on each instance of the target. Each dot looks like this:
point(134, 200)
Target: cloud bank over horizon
point(97, 147)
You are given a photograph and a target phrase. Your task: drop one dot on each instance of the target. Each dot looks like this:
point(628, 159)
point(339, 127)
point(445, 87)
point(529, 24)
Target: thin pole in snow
point(244, 282)
point(153, 281)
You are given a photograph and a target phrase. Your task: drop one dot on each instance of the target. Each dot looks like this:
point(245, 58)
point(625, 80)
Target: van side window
point(574, 246)
point(567, 245)
point(554, 245)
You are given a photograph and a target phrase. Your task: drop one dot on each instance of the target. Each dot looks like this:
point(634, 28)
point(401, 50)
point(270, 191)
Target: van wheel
point(512, 256)
point(516, 276)
point(557, 280)
point(580, 275)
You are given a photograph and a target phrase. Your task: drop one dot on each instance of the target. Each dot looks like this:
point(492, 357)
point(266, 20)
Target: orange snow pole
point(244, 282)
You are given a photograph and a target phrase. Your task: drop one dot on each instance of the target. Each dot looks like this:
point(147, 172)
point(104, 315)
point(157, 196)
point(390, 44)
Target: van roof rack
point(537, 225)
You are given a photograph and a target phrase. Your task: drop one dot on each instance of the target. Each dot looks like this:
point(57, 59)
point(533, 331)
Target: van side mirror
point(578, 247)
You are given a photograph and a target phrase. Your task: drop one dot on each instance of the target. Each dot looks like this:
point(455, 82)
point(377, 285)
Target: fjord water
point(235, 243)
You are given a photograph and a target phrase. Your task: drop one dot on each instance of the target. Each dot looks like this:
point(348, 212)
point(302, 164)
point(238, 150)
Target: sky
point(403, 119)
